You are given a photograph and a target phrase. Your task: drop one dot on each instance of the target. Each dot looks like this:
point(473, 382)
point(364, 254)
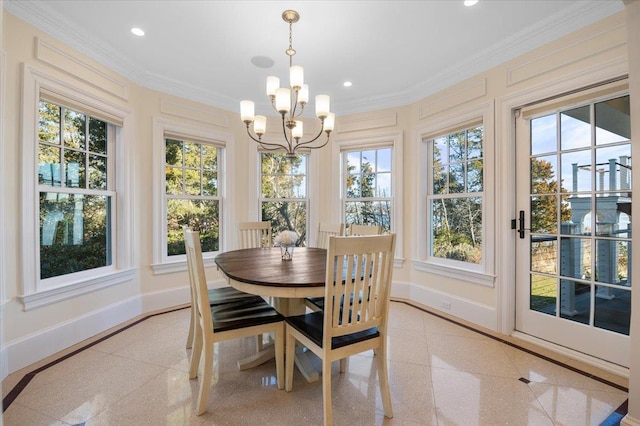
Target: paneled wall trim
point(78, 68)
point(182, 110)
point(367, 123)
point(610, 41)
point(473, 90)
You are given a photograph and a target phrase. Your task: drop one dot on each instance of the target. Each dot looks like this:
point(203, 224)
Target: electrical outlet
point(446, 305)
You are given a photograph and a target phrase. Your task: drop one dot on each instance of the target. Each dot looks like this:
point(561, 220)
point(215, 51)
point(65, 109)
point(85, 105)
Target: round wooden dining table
point(262, 271)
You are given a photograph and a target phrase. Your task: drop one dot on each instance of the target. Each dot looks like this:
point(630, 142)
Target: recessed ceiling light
point(137, 31)
point(347, 84)
point(470, 3)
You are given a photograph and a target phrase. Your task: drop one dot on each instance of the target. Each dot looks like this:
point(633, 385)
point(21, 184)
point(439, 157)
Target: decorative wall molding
point(49, 54)
point(366, 123)
point(604, 41)
point(465, 93)
point(182, 110)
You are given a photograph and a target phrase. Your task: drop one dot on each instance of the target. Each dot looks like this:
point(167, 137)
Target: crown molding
point(562, 23)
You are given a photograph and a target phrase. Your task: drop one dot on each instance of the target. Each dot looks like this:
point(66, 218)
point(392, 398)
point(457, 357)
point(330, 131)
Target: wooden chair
point(227, 321)
point(355, 229)
point(255, 234)
point(217, 296)
point(325, 230)
point(360, 325)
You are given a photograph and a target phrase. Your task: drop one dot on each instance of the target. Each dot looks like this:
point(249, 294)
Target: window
point(77, 166)
point(367, 187)
point(192, 180)
point(455, 197)
point(284, 200)
point(75, 181)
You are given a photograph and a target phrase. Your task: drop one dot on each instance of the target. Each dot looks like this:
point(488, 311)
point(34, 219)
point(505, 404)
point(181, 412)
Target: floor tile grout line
point(22, 384)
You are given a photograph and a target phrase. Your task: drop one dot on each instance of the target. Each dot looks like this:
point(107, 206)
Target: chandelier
point(289, 102)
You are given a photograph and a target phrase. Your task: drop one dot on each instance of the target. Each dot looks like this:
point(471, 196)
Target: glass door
point(574, 225)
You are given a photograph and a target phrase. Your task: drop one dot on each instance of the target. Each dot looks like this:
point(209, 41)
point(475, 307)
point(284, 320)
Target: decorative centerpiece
point(286, 240)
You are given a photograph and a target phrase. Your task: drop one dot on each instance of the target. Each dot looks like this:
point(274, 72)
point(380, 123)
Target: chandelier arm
point(301, 111)
point(263, 143)
point(314, 139)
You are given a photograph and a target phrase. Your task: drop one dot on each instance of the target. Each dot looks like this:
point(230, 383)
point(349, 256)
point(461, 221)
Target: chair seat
point(221, 295)
point(243, 313)
point(311, 326)
point(318, 302)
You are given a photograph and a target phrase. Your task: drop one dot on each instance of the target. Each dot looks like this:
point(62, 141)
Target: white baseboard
point(37, 346)
point(596, 362)
point(27, 350)
point(629, 421)
point(482, 315)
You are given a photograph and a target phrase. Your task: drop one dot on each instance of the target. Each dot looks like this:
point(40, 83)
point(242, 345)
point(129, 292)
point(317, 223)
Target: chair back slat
point(356, 229)
point(255, 234)
point(197, 279)
point(359, 271)
point(325, 230)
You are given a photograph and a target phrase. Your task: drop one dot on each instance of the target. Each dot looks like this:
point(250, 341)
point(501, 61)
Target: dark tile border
point(22, 384)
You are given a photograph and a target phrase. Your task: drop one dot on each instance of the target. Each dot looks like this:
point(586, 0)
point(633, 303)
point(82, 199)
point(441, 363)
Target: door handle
point(521, 227)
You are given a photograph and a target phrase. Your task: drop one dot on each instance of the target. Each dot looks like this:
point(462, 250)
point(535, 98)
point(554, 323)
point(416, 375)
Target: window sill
point(54, 295)
point(170, 267)
point(473, 277)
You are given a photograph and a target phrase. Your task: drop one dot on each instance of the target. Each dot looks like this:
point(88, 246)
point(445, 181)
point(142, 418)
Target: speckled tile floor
point(441, 373)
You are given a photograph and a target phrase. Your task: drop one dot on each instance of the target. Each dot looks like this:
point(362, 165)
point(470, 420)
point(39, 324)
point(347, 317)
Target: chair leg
point(196, 353)
point(259, 343)
point(279, 354)
point(344, 364)
point(326, 391)
point(192, 326)
point(205, 383)
point(383, 377)
point(289, 358)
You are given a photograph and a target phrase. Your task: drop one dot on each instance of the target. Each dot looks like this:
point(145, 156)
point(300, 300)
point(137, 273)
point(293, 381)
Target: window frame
point(35, 293)
point(163, 129)
point(483, 273)
point(393, 140)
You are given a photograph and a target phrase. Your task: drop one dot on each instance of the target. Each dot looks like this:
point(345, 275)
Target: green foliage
point(284, 190)
point(544, 205)
point(363, 192)
point(191, 179)
point(456, 222)
point(62, 250)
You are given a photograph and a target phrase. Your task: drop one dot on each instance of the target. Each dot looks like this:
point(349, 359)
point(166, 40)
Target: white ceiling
point(394, 52)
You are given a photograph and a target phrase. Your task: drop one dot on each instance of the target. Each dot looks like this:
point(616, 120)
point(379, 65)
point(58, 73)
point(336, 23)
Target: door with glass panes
point(573, 229)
